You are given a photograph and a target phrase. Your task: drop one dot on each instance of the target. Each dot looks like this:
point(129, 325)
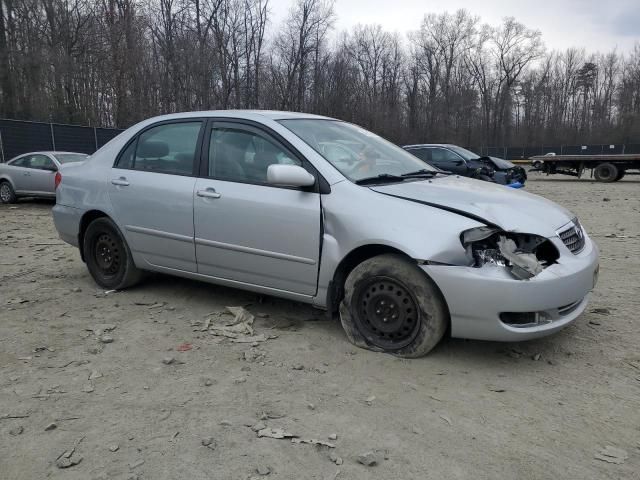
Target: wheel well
point(86, 219)
point(348, 263)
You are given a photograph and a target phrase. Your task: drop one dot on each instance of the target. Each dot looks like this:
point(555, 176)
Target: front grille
point(573, 237)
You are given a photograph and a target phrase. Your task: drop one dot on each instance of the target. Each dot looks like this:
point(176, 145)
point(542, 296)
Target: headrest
point(153, 149)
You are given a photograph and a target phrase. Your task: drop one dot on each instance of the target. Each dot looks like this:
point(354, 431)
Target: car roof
point(244, 114)
point(429, 145)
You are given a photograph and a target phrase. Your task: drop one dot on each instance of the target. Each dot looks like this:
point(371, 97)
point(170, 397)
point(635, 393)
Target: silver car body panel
point(289, 242)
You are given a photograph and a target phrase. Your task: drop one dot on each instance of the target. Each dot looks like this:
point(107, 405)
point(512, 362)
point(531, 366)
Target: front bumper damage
point(490, 303)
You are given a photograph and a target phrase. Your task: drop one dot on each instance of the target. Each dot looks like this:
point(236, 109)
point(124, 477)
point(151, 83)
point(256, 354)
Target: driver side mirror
point(289, 176)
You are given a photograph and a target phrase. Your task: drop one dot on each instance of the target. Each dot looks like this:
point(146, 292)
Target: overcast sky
point(592, 24)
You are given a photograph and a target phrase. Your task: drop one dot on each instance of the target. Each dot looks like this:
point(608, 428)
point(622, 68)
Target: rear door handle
point(121, 182)
point(208, 193)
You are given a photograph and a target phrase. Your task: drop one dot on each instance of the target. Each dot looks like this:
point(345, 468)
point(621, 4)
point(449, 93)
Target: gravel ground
point(139, 407)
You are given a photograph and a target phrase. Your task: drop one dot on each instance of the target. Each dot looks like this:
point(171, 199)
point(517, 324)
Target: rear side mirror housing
point(289, 176)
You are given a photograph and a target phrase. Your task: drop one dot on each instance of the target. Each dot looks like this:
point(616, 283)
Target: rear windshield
point(70, 157)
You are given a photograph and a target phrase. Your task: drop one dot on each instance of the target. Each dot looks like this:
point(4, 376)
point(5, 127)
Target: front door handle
point(121, 182)
point(208, 193)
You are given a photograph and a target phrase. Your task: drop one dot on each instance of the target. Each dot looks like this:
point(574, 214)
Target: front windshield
point(70, 157)
point(354, 151)
point(464, 153)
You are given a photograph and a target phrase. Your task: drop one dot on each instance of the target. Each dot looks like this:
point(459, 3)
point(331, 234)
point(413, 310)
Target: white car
point(324, 212)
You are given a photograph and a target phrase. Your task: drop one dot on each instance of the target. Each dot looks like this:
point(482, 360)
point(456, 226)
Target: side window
point(20, 162)
point(423, 154)
point(41, 162)
point(444, 157)
point(242, 155)
point(168, 148)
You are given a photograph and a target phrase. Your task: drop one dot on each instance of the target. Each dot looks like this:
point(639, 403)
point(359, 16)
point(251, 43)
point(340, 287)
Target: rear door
point(245, 229)
point(151, 191)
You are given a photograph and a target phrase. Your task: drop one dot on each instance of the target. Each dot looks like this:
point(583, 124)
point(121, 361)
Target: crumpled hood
point(509, 209)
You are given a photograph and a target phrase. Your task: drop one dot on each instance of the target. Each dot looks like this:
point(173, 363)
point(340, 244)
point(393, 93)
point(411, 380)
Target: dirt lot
point(141, 408)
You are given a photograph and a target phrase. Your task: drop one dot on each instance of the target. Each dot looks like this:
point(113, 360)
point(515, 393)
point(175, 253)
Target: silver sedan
point(33, 174)
point(324, 212)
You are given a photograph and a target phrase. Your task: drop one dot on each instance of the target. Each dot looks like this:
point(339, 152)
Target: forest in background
point(456, 79)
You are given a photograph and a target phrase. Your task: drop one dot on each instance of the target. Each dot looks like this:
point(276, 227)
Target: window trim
point(320, 185)
point(197, 157)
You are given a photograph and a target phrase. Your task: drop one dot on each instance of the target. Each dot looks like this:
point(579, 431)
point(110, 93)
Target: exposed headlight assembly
point(525, 255)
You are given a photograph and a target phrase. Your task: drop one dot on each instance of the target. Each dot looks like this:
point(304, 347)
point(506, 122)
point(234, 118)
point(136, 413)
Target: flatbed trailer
point(604, 168)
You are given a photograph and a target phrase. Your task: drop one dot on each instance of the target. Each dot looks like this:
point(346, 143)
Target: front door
point(245, 229)
point(151, 191)
point(42, 174)
point(447, 160)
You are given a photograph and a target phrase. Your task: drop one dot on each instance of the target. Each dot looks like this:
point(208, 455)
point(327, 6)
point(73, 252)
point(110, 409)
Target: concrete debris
point(370, 399)
point(241, 325)
point(88, 388)
point(447, 419)
point(611, 454)
point(313, 441)
point(106, 339)
point(335, 458)
point(536, 357)
point(169, 360)
point(258, 426)
point(16, 431)
point(263, 470)
point(311, 406)
point(601, 311)
point(51, 426)
point(275, 433)
point(253, 355)
point(136, 464)
point(94, 374)
point(368, 459)
point(69, 458)
point(209, 442)
point(298, 366)
point(101, 328)
point(114, 448)
point(333, 436)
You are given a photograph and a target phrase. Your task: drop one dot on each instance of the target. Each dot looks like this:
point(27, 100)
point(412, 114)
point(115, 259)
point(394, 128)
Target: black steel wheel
point(391, 305)
point(108, 257)
point(389, 316)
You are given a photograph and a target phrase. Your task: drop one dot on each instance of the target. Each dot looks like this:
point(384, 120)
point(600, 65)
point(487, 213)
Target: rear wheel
point(108, 257)
point(7, 195)
point(606, 172)
point(390, 305)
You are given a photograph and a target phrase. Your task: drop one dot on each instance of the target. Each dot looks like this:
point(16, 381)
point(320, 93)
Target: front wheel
point(391, 305)
point(108, 257)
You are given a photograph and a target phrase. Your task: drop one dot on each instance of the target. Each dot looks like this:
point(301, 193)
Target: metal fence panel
point(21, 137)
point(18, 137)
point(69, 138)
point(103, 135)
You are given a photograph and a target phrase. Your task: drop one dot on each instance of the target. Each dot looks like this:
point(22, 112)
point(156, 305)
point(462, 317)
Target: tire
point(390, 305)
point(620, 175)
point(7, 194)
point(108, 257)
point(606, 172)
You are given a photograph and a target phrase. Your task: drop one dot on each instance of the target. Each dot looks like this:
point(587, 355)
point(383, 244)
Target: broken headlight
point(525, 255)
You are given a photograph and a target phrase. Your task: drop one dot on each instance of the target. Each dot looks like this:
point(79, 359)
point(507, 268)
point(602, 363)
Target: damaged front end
point(524, 255)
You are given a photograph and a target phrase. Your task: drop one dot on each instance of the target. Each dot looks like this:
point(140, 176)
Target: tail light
point(57, 179)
